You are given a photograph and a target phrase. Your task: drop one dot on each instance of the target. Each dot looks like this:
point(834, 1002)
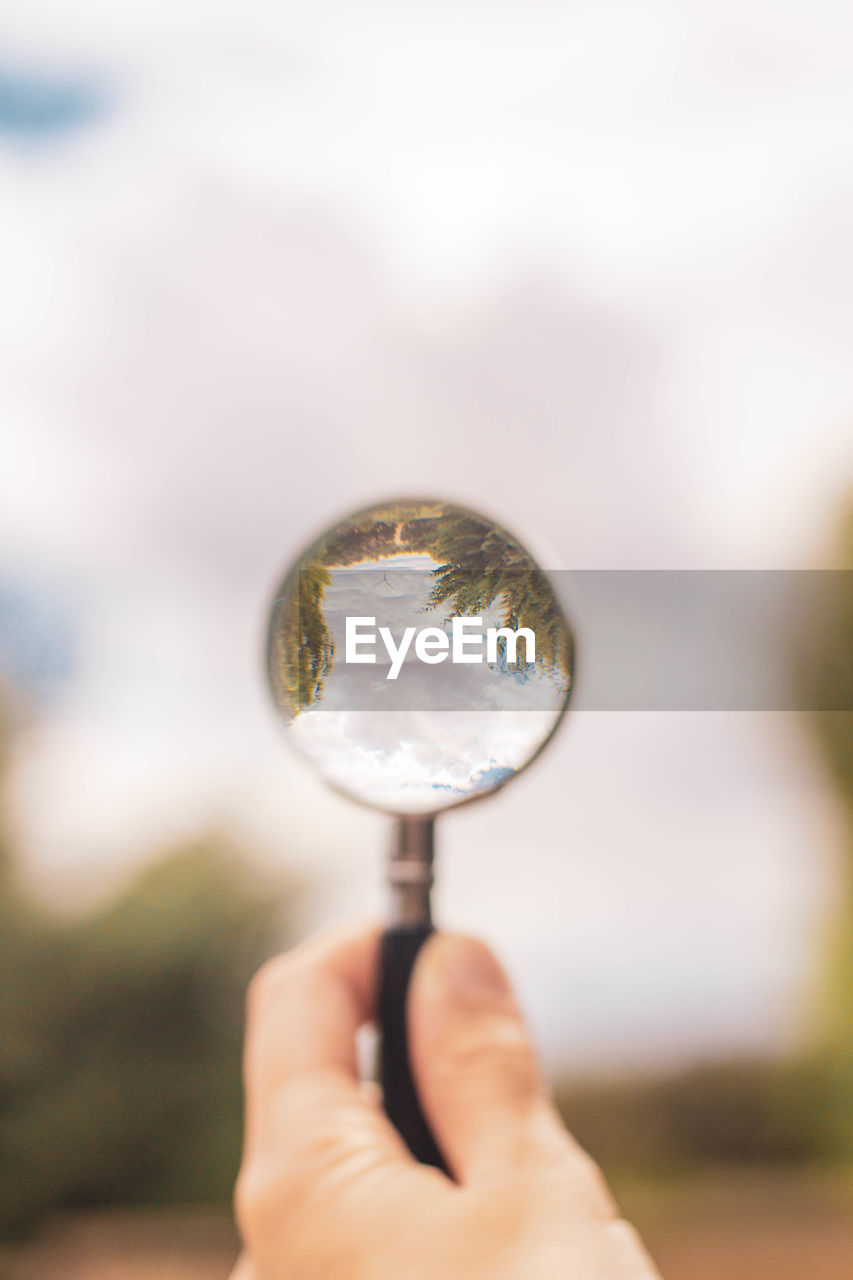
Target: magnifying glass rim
point(281, 593)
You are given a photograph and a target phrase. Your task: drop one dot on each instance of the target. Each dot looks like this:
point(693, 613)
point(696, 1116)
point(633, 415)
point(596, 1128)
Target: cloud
point(581, 268)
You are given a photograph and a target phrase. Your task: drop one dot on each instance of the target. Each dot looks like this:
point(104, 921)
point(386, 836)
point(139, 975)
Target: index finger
point(300, 1068)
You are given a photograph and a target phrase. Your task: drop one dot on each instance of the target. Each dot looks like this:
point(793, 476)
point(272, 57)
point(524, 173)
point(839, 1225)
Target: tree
point(302, 651)
point(476, 564)
point(480, 564)
point(120, 1034)
point(826, 674)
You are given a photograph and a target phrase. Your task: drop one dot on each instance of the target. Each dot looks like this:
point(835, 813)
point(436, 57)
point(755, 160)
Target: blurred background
point(584, 266)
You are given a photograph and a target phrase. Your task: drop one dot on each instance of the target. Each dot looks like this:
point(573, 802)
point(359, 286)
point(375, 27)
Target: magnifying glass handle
point(398, 953)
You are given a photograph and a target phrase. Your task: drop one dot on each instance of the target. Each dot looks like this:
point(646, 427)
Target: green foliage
point(826, 670)
point(303, 650)
point(728, 1113)
point(479, 565)
point(120, 1037)
point(791, 1111)
point(825, 666)
point(476, 564)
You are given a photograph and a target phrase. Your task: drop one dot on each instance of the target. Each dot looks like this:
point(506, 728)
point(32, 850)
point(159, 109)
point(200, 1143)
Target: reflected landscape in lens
point(410, 729)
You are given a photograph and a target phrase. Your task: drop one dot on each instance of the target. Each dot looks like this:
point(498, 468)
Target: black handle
point(398, 953)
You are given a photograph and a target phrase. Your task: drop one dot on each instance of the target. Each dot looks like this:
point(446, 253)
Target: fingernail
point(466, 967)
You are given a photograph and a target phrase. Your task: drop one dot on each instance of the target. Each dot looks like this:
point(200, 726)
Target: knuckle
point(269, 1197)
point(258, 1204)
point(589, 1187)
point(633, 1245)
point(261, 983)
point(592, 1178)
point(321, 1139)
point(496, 1049)
point(267, 984)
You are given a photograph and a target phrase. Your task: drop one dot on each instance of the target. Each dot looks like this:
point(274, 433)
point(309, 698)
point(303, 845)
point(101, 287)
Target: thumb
point(476, 1071)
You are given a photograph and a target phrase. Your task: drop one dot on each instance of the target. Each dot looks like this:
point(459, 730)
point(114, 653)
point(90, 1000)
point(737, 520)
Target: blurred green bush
point(795, 1110)
point(753, 1112)
point(826, 670)
point(120, 1035)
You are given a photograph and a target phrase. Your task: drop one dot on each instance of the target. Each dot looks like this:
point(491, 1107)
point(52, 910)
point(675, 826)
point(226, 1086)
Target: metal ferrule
point(410, 874)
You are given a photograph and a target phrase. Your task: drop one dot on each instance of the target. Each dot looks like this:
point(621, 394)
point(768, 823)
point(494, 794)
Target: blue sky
point(37, 104)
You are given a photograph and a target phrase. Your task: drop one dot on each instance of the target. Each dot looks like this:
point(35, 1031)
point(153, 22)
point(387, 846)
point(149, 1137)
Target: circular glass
point(419, 656)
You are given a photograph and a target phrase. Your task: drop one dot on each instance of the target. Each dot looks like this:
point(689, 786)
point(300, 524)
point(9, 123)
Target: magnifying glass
point(420, 659)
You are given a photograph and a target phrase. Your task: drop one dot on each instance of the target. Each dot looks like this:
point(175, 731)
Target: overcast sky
point(584, 266)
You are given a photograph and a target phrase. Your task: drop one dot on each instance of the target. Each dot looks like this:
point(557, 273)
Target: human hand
point(328, 1190)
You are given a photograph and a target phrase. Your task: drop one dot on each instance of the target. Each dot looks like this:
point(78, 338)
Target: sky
point(431, 733)
point(585, 267)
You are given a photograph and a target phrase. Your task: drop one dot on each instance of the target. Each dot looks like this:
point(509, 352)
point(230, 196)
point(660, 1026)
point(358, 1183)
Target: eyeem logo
point(469, 641)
